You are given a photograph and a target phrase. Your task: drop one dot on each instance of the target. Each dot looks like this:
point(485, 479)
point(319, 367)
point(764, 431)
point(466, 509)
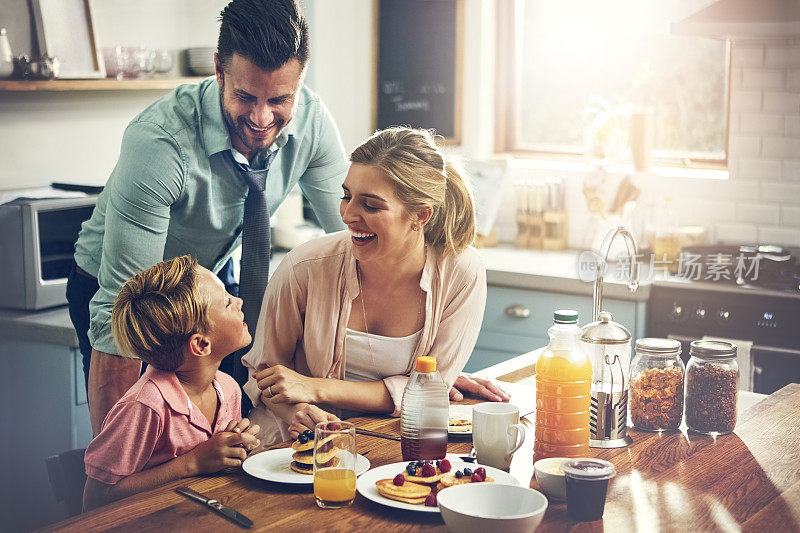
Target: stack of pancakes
point(459, 425)
point(449, 480)
point(416, 488)
point(303, 458)
point(408, 492)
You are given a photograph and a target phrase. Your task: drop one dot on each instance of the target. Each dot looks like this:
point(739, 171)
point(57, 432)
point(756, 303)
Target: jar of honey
point(563, 382)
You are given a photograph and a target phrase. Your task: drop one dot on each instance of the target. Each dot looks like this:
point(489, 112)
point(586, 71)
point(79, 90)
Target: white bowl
point(551, 478)
point(491, 507)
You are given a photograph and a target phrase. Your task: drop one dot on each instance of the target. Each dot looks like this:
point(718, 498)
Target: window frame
point(508, 65)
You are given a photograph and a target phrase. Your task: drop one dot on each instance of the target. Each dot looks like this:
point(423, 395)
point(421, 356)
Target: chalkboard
point(419, 65)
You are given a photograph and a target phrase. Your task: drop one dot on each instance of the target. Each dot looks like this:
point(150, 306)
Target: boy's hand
point(306, 417)
point(223, 450)
point(243, 426)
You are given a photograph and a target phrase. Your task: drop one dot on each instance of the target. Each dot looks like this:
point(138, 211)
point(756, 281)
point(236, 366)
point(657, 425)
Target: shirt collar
point(176, 398)
point(214, 130)
point(170, 388)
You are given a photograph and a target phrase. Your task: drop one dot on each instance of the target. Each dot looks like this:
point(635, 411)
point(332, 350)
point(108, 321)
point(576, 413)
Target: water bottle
point(424, 413)
point(563, 382)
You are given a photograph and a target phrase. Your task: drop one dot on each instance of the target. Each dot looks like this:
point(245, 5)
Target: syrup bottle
point(424, 413)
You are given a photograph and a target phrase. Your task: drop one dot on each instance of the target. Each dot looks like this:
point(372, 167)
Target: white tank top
point(370, 357)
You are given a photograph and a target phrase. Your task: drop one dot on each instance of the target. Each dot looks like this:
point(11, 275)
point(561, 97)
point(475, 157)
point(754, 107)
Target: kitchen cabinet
point(44, 413)
point(516, 320)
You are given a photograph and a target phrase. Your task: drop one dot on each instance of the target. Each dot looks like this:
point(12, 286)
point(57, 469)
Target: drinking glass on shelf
point(163, 60)
point(334, 464)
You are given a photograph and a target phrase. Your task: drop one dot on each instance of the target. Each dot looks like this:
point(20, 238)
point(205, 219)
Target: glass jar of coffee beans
point(712, 384)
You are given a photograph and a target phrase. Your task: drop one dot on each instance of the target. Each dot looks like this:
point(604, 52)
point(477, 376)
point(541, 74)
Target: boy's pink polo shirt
point(154, 422)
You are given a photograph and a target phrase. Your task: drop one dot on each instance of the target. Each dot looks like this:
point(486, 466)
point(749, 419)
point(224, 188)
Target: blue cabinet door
point(516, 321)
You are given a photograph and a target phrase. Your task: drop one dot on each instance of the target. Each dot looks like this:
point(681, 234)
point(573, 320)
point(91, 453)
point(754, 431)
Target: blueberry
point(467, 471)
point(411, 469)
point(309, 434)
point(302, 438)
point(459, 474)
point(438, 464)
point(419, 464)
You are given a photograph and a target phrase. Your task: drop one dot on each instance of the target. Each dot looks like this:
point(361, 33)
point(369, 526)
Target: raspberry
point(428, 470)
point(476, 478)
point(445, 466)
point(481, 471)
point(399, 480)
point(430, 501)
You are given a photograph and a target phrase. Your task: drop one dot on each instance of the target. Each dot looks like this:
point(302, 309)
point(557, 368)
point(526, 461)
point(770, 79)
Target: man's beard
point(238, 128)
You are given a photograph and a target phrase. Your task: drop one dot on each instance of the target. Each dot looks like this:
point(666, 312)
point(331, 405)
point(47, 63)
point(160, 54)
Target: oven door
point(774, 368)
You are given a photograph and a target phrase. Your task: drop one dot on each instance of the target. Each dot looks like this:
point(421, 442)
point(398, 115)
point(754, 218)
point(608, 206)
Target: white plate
point(365, 484)
point(273, 465)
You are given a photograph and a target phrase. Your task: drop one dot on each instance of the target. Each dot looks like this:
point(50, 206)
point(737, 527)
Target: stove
point(749, 294)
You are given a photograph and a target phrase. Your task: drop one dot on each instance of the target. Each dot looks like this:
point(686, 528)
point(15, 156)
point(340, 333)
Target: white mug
point(495, 432)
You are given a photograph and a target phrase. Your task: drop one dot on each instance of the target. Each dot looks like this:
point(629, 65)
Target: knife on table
point(227, 512)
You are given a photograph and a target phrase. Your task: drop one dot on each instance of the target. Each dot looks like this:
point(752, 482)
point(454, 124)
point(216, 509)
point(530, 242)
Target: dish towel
point(742, 358)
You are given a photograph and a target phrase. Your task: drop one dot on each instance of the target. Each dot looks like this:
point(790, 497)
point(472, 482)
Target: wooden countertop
point(672, 482)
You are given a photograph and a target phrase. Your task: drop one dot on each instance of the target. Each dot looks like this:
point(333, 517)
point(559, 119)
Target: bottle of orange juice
point(563, 380)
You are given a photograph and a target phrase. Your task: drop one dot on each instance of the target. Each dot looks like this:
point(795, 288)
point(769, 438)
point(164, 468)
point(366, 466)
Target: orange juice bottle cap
point(426, 364)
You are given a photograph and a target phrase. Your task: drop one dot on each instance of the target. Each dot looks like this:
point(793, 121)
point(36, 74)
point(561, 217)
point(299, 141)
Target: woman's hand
point(307, 417)
point(479, 387)
point(279, 384)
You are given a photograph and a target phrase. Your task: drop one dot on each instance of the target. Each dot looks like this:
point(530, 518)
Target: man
point(181, 184)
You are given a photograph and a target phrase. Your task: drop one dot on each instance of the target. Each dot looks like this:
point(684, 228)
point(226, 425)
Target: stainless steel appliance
point(37, 241)
point(763, 310)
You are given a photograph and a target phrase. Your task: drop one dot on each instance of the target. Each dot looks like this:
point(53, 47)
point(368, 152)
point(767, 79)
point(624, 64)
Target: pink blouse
point(306, 309)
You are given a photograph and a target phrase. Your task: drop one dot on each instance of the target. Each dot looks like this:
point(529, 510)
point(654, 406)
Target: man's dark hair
point(266, 32)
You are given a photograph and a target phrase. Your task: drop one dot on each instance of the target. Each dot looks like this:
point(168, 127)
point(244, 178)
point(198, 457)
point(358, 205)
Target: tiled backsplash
point(759, 202)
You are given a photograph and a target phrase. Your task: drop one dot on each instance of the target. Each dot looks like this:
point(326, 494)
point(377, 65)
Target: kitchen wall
point(76, 135)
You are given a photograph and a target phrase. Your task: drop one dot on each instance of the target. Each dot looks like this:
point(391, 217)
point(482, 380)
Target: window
point(575, 75)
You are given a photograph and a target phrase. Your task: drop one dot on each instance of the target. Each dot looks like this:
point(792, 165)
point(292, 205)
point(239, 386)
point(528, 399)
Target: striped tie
point(255, 253)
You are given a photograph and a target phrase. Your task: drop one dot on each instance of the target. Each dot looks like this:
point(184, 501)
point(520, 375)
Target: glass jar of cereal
point(712, 385)
point(657, 385)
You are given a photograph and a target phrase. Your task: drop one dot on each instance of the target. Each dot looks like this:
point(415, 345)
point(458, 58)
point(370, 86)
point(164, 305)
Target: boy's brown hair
point(157, 311)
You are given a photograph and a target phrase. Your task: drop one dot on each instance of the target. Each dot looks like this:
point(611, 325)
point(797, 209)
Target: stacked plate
point(201, 60)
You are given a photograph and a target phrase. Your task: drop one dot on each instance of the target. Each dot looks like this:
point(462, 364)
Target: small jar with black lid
point(657, 374)
point(712, 386)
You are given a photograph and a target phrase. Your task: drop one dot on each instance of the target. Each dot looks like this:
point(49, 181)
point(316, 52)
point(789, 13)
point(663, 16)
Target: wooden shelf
point(141, 84)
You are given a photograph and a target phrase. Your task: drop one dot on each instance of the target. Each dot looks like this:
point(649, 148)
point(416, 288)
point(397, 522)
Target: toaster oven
point(37, 243)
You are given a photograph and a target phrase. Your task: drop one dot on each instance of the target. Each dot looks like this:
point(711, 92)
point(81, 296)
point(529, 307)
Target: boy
point(182, 417)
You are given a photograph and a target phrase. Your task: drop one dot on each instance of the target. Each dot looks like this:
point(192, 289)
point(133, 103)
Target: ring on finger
point(269, 389)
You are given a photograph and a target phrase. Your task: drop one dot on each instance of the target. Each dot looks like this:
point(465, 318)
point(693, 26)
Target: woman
point(346, 315)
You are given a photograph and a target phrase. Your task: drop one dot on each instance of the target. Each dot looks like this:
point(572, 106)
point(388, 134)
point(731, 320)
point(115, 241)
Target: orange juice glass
point(563, 383)
point(334, 464)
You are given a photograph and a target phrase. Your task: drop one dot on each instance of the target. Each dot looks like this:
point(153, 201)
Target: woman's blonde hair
point(158, 310)
point(421, 176)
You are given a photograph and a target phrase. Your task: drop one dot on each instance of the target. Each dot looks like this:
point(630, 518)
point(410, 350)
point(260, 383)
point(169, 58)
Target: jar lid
point(654, 346)
point(712, 349)
point(591, 469)
point(565, 316)
point(605, 331)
